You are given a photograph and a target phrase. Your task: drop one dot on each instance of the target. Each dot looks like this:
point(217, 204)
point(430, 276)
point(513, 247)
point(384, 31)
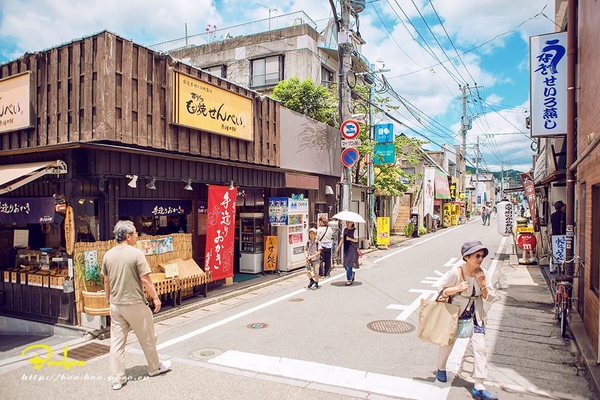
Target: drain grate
point(257, 325)
point(296, 299)
point(88, 351)
point(391, 326)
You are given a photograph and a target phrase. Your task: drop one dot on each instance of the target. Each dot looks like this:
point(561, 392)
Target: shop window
point(87, 220)
point(266, 71)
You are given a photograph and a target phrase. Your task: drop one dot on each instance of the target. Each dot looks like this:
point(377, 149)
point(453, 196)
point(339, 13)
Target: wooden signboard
point(270, 259)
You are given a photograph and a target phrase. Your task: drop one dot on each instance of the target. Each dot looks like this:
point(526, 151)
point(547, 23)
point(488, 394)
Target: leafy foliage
point(307, 98)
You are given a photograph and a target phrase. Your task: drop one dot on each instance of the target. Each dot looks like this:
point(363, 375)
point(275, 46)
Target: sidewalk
point(528, 358)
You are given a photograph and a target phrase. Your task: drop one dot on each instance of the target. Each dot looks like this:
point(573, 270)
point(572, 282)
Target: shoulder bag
point(438, 320)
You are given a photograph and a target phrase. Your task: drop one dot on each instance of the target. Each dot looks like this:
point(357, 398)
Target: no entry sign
point(349, 156)
point(350, 129)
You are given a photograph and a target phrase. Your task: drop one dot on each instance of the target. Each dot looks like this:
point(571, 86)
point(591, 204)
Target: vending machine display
point(293, 237)
point(251, 243)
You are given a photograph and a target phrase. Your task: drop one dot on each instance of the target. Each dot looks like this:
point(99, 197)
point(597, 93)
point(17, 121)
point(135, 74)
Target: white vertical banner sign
point(428, 190)
point(548, 76)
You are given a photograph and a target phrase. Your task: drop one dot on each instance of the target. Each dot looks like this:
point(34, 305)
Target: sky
point(431, 48)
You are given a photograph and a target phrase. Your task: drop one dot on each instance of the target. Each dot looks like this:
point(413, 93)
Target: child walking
point(312, 251)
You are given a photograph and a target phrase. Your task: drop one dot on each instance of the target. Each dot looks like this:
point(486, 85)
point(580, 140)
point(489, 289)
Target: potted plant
point(92, 281)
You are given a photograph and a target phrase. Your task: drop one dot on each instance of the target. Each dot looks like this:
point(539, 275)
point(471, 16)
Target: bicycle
point(563, 299)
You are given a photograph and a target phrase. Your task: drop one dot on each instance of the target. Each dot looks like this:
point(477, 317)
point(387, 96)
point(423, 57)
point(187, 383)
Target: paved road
point(284, 342)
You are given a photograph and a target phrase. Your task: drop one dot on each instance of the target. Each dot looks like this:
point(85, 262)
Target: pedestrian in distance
point(325, 239)
point(125, 270)
point(484, 214)
point(468, 286)
point(350, 243)
point(312, 252)
point(488, 211)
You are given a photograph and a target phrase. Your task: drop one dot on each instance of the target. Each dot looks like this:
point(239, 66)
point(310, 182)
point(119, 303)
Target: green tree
point(305, 97)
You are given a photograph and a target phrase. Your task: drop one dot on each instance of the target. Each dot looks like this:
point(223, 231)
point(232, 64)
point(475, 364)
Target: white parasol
point(349, 216)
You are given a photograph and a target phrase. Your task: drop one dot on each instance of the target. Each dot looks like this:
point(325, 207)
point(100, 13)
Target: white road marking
point(412, 307)
point(330, 375)
point(451, 263)
point(416, 244)
point(207, 328)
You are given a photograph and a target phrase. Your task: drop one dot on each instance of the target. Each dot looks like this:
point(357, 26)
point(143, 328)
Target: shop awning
point(14, 176)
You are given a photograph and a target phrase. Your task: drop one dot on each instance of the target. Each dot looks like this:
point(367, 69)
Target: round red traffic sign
point(349, 156)
point(350, 129)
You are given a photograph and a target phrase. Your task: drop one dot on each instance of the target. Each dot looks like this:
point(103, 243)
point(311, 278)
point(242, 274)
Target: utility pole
point(463, 130)
point(477, 173)
point(345, 63)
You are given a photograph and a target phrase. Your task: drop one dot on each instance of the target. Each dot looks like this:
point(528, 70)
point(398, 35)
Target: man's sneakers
point(316, 286)
point(483, 395)
point(310, 285)
point(441, 376)
point(164, 367)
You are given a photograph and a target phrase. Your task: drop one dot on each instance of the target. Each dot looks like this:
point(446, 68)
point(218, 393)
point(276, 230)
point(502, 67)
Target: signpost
point(349, 156)
point(350, 129)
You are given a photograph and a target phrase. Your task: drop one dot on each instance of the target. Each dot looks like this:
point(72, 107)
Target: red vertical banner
point(529, 189)
point(220, 231)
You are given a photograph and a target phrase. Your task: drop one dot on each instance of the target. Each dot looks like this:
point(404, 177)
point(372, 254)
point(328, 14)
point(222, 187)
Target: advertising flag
point(220, 231)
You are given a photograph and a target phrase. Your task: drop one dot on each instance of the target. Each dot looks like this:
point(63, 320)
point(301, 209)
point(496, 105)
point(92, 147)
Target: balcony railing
point(251, 28)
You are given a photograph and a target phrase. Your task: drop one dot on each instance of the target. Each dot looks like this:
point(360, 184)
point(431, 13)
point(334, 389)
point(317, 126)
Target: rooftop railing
point(250, 28)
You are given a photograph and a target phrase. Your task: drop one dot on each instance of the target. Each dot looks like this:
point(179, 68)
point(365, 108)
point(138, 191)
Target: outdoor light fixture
point(188, 186)
point(133, 182)
point(328, 190)
point(231, 186)
point(152, 184)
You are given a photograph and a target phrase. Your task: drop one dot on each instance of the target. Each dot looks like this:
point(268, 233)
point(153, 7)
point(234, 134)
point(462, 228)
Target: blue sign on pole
point(349, 156)
point(384, 133)
point(385, 154)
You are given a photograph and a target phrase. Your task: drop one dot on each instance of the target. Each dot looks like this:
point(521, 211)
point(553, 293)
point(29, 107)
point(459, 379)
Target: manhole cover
point(296, 299)
point(257, 325)
point(88, 351)
point(391, 326)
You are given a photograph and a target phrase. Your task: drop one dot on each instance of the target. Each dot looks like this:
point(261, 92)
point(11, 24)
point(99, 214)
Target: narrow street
point(285, 342)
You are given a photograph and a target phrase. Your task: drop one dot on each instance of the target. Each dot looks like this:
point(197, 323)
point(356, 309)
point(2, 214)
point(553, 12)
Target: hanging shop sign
point(529, 188)
point(220, 231)
point(27, 210)
point(155, 208)
point(548, 73)
point(202, 106)
point(15, 108)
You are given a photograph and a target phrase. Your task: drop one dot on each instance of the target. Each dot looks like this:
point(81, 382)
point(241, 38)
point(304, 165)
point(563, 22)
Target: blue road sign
point(384, 154)
point(349, 156)
point(384, 133)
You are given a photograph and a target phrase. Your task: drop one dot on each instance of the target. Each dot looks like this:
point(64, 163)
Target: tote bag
point(438, 322)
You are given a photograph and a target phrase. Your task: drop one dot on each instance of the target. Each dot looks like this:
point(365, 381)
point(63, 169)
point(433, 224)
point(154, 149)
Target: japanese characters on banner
point(428, 190)
point(270, 261)
point(220, 231)
point(529, 189)
point(548, 66)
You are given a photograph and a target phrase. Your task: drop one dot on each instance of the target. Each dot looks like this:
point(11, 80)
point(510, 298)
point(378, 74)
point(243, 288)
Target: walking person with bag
point(468, 287)
point(325, 239)
point(350, 243)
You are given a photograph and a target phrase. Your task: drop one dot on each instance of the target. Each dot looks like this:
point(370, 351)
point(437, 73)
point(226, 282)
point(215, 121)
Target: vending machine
point(251, 243)
point(293, 235)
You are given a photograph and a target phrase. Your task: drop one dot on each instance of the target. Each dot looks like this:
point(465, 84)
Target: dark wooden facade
point(104, 88)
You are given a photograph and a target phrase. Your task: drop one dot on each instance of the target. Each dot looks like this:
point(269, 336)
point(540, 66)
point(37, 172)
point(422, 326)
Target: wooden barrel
point(95, 303)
